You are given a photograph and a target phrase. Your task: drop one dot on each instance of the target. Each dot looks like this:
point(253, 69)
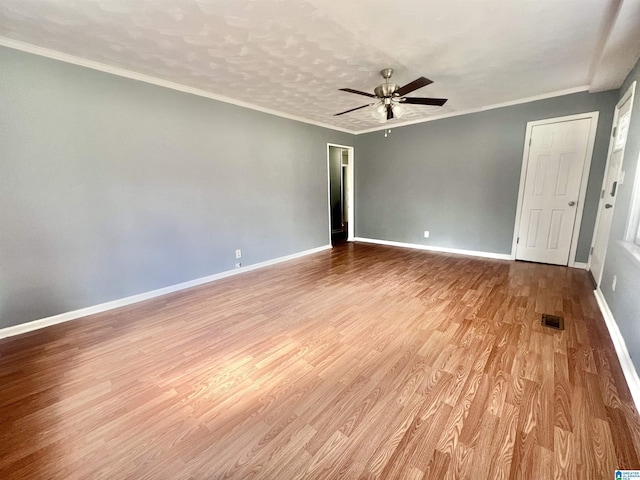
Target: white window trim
point(633, 250)
point(632, 235)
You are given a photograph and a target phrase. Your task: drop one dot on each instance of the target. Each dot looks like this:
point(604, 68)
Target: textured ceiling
point(292, 56)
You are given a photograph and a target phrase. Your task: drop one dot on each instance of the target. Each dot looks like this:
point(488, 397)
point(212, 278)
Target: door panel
point(552, 186)
point(609, 187)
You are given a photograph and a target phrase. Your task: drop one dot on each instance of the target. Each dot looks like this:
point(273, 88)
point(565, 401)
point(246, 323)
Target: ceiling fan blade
point(358, 92)
point(424, 101)
point(416, 84)
point(389, 112)
point(353, 109)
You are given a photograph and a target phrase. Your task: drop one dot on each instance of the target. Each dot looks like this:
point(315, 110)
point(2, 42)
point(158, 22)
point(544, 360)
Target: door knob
point(572, 203)
point(607, 205)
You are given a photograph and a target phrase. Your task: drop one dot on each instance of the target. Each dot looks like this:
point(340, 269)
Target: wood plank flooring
point(360, 362)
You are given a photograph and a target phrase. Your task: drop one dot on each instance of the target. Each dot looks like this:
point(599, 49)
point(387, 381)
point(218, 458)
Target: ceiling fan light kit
point(389, 97)
point(379, 111)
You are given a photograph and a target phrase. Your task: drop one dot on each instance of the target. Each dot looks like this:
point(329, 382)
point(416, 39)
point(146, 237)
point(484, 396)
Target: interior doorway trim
point(629, 95)
point(583, 182)
point(351, 226)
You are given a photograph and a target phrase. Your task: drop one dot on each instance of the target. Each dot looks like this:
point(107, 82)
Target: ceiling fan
point(390, 97)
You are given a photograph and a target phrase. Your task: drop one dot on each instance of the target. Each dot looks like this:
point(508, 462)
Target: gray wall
point(458, 177)
point(111, 187)
point(625, 301)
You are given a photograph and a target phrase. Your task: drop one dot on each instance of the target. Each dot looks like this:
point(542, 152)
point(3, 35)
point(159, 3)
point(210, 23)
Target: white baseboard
point(103, 307)
point(473, 253)
point(629, 370)
point(581, 265)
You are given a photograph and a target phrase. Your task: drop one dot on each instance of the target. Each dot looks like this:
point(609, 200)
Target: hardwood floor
point(361, 362)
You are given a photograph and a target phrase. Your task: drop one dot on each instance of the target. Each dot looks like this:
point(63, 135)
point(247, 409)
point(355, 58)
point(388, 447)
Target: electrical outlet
point(238, 253)
point(613, 284)
point(426, 234)
point(238, 264)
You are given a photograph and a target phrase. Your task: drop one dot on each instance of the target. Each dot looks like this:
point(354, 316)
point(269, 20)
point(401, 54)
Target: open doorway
point(340, 174)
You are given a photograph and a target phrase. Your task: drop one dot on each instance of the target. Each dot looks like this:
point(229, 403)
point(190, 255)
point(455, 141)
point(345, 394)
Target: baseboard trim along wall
point(473, 253)
point(103, 307)
point(628, 369)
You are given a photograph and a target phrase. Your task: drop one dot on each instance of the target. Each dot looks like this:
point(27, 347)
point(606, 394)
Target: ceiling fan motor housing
point(386, 90)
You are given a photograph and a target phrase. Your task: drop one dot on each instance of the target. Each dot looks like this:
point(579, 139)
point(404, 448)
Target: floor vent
point(552, 321)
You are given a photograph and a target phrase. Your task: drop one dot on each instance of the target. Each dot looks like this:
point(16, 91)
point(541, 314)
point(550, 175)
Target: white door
point(555, 163)
point(622, 118)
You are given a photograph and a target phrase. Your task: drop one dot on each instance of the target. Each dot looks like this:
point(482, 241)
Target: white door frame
point(583, 182)
point(628, 95)
point(350, 169)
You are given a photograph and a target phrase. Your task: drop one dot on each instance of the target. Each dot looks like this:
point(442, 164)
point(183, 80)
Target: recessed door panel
point(557, 217)
point(541, 174)
point(534, 227)
point(562, 180)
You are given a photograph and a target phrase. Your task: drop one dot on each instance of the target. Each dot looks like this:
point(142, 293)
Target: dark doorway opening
point(339, 198)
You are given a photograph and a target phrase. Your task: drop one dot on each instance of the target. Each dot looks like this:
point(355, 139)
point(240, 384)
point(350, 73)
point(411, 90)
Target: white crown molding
point(122, 72)
point(63, 57)
point(103, 307)
point(628, 369)
point(519, 101)
point(535, 98)
point(417, 246)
